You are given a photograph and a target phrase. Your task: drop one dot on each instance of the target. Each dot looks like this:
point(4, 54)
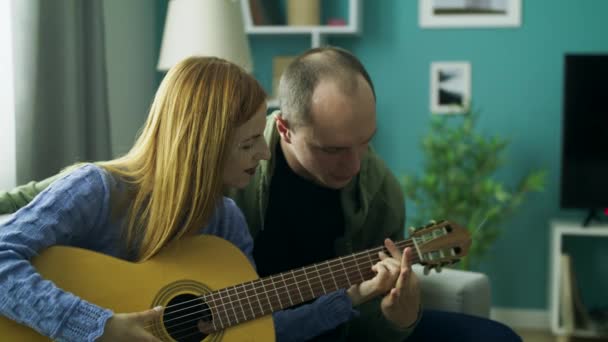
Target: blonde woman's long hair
point(175, 168)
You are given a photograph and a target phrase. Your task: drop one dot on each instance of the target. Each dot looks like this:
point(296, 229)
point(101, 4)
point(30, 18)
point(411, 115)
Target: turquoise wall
point(517, 84)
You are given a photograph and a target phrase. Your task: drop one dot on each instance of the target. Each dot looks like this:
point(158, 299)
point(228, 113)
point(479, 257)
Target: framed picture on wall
point(450, 87)
point(469, 13)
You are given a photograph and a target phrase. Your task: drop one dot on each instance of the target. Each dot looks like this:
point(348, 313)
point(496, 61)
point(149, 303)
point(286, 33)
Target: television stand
point(592, 216)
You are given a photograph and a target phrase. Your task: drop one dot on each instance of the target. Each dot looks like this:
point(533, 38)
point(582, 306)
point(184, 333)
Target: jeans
point(451, 326)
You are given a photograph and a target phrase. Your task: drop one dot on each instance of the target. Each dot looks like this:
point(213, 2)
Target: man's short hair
point(302, 76)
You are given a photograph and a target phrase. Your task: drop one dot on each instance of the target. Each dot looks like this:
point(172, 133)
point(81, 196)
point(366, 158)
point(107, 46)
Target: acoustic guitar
point(207, 278)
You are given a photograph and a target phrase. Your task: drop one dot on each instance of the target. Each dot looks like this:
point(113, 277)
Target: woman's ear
point(283, 128)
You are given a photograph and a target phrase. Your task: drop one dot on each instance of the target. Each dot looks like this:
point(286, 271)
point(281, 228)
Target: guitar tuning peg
point(438, 268)
point(427, 269)
point(411, 230)
point(433, 222)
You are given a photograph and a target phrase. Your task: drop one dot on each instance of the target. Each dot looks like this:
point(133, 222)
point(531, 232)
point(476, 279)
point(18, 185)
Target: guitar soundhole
point(457, 250)
point(181, 317)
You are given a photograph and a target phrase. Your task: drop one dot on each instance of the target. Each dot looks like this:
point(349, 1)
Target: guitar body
point(183, 271)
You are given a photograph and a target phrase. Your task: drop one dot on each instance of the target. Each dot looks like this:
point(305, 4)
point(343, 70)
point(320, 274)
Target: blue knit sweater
point(75, 211)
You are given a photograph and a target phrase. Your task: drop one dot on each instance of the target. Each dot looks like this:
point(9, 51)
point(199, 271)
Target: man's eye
point(246, 147)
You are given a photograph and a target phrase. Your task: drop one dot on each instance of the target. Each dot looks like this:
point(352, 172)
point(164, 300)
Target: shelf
point(271, 29)
point(318, 34)
point(573, 228)
point(561, 229)
point(580, 333)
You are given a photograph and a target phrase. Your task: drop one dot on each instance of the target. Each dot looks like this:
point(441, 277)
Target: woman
point(204, 132)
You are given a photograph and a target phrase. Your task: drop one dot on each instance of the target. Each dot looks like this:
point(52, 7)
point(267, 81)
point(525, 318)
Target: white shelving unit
point(318, 34)
point(561, 229)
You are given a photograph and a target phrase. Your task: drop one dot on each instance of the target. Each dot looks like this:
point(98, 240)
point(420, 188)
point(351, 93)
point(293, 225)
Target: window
point(8, 155)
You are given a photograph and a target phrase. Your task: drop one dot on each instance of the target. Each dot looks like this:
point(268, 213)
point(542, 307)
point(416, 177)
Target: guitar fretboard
point(247, 301)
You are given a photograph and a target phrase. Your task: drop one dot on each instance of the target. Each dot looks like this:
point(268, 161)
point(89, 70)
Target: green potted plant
point(457, 183)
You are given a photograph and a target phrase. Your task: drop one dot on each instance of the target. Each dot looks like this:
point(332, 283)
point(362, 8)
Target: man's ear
point(283, 128)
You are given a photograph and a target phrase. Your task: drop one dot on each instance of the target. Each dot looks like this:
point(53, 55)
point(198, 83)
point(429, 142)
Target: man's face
point(329, 150)
point(247, 148)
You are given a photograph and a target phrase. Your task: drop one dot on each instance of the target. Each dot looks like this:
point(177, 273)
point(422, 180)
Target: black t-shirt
point(302, 222)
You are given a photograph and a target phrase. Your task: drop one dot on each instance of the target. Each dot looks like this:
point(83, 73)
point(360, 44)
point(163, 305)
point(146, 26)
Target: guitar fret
point(272, 291)
point(293, 274)
point(208, 298)
point(231, 302)
point(222, 309)
point(357, 268)
point(245, 298)
point(287, 288)
point(312, 291)
point(345, 272)
point(320, 279)
point(248, 288)
point(276, 291)
point(266, 292)
point(258, 298)
point(350, 272)
point(331, 273)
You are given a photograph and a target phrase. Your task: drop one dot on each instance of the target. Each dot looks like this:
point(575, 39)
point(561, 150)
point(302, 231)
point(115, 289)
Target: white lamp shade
point(204, 28)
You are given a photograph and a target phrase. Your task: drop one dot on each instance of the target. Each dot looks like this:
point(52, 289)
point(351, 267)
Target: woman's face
point(248, 147)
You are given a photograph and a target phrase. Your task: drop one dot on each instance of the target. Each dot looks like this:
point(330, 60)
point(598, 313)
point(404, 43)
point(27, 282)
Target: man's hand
point(394, 276)
point(401, 304)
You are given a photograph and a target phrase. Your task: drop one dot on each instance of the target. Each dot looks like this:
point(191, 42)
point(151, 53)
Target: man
point(326, 193)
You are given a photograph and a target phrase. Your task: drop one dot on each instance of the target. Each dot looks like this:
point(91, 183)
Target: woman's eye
point(246, 147)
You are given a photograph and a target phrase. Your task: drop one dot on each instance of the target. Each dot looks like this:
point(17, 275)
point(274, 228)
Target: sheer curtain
point(61, 100)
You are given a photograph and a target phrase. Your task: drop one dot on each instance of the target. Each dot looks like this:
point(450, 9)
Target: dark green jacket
point(373, 209)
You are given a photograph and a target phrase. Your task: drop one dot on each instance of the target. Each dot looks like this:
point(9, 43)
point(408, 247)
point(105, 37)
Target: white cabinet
point(561, 230)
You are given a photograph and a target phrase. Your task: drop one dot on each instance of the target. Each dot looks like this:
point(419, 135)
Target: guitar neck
point(247, 301)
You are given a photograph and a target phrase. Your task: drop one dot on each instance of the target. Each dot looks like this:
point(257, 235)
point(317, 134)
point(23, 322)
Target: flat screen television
point(584, 166)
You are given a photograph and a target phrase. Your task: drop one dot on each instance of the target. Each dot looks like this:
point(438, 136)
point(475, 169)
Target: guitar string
point(229, 315)
point(326, 266)
point(405, 243)
point(197, 332)
point(223, 310)
point(276, 290)
point(400, 244)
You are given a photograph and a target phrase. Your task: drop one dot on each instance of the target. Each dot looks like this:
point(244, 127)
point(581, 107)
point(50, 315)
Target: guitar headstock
point(440, 243)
